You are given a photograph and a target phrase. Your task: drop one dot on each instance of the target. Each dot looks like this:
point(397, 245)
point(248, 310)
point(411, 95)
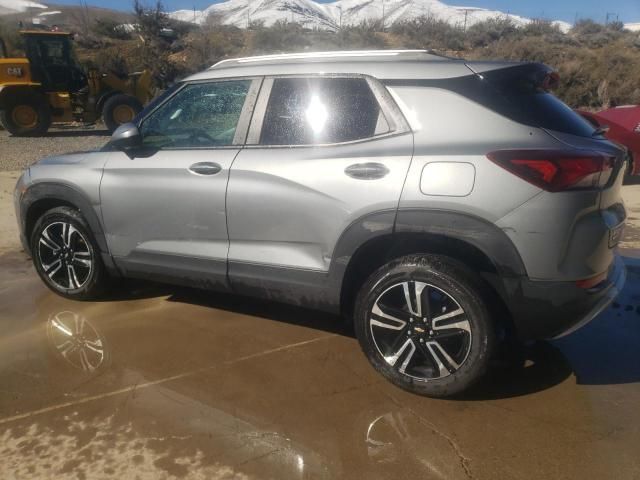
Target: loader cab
point(53, 62)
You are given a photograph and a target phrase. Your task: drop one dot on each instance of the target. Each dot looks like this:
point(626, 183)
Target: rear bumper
point(543, 310)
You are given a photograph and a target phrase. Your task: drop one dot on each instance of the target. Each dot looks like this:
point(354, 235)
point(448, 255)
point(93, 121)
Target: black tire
point(37, 104)
point(73, 277)
point(414, 359)
point(109, 111)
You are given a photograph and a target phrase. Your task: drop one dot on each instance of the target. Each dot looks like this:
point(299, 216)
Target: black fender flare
point(486, 237)
point(482, 234)
point(43, 191)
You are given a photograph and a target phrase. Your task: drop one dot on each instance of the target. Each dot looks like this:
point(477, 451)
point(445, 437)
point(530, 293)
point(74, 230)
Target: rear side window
point(516, 93)
point(519, 95)
point(307, 111)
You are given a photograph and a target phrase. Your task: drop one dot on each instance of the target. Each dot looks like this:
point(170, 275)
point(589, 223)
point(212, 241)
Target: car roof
point(382, 64)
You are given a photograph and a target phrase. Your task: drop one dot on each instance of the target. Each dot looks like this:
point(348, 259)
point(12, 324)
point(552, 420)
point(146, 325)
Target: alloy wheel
point(65, 256)
point(420, 330)
point(73, 338)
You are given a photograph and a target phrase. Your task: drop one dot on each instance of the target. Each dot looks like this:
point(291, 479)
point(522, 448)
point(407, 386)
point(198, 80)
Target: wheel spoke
point(52, 268)
point(438, 323)
point(84, 360)
point(59, 325)
point(436, 347)
point(66, 348)
point(46, 240)
point(78, 321)
point(71, 275)
point(95, 346)
point(67, 233)
point(393, 359)
point(416, 289)
point(385, 320)
point(425, 303)
point(81, 262)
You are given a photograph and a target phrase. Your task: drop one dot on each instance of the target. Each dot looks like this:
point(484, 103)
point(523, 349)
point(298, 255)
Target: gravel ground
point(16, 153)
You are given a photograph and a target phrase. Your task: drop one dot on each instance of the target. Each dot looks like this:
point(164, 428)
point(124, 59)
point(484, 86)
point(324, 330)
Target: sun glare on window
point(316, 115)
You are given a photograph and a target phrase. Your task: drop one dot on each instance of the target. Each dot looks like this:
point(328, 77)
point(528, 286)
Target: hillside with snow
point(8, 7)
point(342, 12)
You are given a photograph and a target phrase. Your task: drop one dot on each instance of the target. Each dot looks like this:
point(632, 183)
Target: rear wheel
point(120, 109)
point(66, 256)
point(423, 324)
point(24, 116)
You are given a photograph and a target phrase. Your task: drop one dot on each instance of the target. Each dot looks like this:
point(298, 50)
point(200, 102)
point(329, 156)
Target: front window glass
point(199, 115)
point(53, 52)
point(306, 111)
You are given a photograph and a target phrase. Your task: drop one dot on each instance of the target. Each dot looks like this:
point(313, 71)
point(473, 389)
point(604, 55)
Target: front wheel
point(66, 256)
point(423, 324)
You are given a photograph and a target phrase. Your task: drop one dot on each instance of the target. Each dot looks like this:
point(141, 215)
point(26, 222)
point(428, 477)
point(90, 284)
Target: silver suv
point(442, 204)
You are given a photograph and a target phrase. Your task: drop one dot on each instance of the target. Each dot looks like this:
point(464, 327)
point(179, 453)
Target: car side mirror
point(126, 136)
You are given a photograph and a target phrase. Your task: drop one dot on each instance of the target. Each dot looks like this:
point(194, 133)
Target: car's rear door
point(322, 153)
point(164, 208)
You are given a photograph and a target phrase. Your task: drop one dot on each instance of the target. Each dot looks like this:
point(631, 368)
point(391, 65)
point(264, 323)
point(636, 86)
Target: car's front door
point(164, 209)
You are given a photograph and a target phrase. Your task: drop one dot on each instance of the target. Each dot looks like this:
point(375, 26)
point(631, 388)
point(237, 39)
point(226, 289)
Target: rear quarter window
point(515, 93)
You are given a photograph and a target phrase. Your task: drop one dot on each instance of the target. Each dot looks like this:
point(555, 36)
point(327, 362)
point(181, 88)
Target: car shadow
point(130, 289)
point(519, 371)
point(270, 310)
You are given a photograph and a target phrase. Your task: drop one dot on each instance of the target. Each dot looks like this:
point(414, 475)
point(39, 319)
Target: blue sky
point(567, 10)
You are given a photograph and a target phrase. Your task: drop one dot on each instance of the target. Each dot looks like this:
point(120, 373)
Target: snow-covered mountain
point(634, 27)
point(16, 6)
point(341, 12)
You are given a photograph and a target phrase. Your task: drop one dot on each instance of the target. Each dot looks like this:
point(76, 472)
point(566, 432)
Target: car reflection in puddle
point(75, 341)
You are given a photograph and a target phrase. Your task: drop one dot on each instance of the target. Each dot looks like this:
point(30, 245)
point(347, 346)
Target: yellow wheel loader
point(49, 86)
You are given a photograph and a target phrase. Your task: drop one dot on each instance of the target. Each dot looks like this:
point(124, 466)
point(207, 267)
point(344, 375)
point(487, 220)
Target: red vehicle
point(624, 128)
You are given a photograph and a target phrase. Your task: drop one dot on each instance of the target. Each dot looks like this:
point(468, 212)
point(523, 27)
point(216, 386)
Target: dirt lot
point(187, 384)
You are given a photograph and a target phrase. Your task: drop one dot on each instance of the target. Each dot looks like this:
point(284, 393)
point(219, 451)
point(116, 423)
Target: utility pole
point(466, 15)
point(340, 19)
point(610, 15)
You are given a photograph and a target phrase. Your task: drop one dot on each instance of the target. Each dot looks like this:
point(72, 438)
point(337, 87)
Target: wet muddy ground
point(165, 382)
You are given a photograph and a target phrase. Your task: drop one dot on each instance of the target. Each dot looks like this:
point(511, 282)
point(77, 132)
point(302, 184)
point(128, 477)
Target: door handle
point(205, 168)
point(366, 171)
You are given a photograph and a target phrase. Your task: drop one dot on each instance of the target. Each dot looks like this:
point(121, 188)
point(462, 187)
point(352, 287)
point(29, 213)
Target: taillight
point(589, 283)
point(557, 170)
